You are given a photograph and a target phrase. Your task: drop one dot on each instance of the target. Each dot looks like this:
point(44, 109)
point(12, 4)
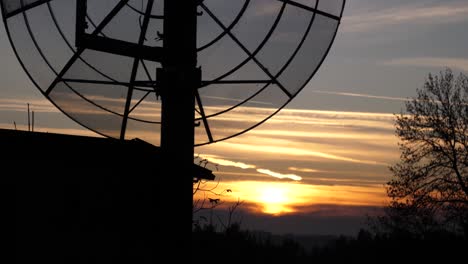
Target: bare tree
point(433, 169)
point(229, 224)
point(212, 198)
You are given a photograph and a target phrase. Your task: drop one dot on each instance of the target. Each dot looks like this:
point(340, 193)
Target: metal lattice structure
point(255, 57)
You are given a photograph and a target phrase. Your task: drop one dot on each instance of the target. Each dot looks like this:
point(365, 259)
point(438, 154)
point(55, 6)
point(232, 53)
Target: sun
point(274, 200)
point(273, 195)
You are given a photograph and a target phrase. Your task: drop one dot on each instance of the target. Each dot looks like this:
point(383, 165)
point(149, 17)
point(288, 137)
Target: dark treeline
point(235, 245)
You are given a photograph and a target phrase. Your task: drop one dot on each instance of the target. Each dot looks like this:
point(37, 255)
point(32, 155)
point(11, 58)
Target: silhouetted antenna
point(32, 123)
point(254, 55)
point(220, 67)
point(29, 119)
point(14, 123)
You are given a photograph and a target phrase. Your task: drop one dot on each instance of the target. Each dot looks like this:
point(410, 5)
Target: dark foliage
point(235, 245)
point(369, 248)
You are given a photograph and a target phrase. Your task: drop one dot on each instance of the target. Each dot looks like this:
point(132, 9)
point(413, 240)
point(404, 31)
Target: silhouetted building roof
point(88, 199)
point(53, 151)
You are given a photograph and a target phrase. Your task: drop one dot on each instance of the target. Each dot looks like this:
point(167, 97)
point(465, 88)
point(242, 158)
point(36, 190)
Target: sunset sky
point(320, 165)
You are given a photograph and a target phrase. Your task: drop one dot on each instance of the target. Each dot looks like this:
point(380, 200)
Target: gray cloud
point(363, 95)
point(420, 13)
point(438, 62)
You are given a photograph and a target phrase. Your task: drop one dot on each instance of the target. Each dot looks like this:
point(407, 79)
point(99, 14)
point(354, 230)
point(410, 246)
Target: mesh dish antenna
point(221, 68)
point(97, 60)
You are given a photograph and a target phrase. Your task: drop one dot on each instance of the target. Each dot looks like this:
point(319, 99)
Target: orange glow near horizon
point(274, 200)
point(279, 198)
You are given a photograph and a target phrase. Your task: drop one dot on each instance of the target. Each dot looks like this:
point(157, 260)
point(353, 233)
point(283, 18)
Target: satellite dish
point(255, 56)
point(220, 67)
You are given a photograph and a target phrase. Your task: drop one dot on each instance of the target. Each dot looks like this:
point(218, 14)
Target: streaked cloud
point(350, 181)
point(278, 175)
point(314, 134)
point(245, 175)
point(36, 105)
point(295, 151)
point(322, 178)
point(249, 116)
point(363, 95)
point(438, 62)
point(229, 163)
point(438, 13)
point(241, 165)
point(302, 169)
point(235, 100)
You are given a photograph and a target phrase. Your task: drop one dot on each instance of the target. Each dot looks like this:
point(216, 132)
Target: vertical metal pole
point(29, 120)
point(179, 77)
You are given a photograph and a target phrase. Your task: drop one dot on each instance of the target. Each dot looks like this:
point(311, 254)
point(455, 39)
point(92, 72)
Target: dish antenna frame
point(178, 80)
